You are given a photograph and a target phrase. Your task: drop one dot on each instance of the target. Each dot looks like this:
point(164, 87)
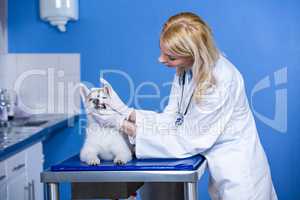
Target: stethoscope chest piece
point(179, 119)
point(181, 112)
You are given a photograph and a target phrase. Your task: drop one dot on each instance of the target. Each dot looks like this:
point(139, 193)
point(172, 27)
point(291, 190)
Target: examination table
point(87, 178)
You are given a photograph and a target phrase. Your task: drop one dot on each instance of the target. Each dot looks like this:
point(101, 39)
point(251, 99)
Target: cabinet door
point(34, 163)
point(16, 177)
point(17, 188)
point(3, 192)
point(3, 179)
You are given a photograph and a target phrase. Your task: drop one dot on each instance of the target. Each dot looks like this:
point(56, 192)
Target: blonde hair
point(187, 35)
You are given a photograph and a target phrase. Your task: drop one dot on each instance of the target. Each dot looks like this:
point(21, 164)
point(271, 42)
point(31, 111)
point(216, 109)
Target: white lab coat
point(221, 128)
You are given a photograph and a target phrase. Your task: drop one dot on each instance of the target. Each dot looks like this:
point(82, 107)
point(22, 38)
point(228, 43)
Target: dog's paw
point(94, 161)
point(119, 162)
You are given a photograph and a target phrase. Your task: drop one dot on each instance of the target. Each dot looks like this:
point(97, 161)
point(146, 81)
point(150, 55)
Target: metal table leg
point(53, 191)
point(191, 191)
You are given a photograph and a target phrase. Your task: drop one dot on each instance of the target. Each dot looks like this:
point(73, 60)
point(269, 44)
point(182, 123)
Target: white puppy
point(102, 141)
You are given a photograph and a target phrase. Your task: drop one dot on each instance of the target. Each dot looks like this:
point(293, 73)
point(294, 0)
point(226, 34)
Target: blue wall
point(260, 37)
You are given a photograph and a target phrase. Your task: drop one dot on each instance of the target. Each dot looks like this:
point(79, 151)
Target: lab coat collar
point(188, 76)
point(189, 88)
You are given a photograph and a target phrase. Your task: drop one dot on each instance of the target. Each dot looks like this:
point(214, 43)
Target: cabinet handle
point(2, 177)
point(32, 190)
point(20, 166)
point(28, 189)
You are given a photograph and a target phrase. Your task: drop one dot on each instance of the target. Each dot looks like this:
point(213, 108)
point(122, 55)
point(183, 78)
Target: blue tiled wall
point(261, 37)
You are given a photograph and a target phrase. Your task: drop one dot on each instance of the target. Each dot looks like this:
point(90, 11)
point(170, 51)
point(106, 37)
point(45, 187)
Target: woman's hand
point(129, 128)
point(114, 102)
point(108, 118)
point(118, 114)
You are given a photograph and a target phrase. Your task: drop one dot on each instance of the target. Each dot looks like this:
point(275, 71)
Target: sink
point(26, 122)
point(35, 123)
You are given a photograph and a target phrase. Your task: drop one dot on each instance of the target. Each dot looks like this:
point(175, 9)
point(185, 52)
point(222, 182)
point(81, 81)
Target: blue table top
point(74, 164)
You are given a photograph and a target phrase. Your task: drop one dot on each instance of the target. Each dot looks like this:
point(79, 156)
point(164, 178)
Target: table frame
point(189, 178)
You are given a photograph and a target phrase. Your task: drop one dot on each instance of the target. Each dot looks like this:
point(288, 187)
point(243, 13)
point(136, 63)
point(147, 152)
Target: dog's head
point(93, 98)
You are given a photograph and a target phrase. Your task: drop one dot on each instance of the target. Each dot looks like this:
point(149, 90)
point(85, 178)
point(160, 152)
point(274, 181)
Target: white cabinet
point(16, 188)
point(34, 163)
point(3, 192)
point(3, 178)
point(21, 174)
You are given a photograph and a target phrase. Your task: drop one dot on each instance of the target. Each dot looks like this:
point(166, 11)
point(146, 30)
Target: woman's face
point(174, 61)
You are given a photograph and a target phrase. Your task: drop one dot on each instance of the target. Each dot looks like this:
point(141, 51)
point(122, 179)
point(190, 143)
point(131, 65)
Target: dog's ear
point(106, 86)
point(84, 92)
point(107, 90)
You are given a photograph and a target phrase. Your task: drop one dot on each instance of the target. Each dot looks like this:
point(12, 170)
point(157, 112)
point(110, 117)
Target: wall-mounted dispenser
point(59, 12)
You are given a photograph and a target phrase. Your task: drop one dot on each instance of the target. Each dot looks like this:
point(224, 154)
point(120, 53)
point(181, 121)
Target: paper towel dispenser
point(59, 12)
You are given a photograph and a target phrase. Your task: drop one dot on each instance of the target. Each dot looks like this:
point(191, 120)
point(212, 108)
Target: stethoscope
point(180, 114)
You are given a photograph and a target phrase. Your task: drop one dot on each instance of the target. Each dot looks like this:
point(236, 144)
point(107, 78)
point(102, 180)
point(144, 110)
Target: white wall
point(45, 83)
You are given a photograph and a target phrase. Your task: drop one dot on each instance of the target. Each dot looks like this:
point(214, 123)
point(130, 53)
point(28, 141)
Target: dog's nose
point(96, 101)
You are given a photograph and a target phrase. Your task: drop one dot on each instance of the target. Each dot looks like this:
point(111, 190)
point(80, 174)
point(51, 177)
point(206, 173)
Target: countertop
point(15, 138)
